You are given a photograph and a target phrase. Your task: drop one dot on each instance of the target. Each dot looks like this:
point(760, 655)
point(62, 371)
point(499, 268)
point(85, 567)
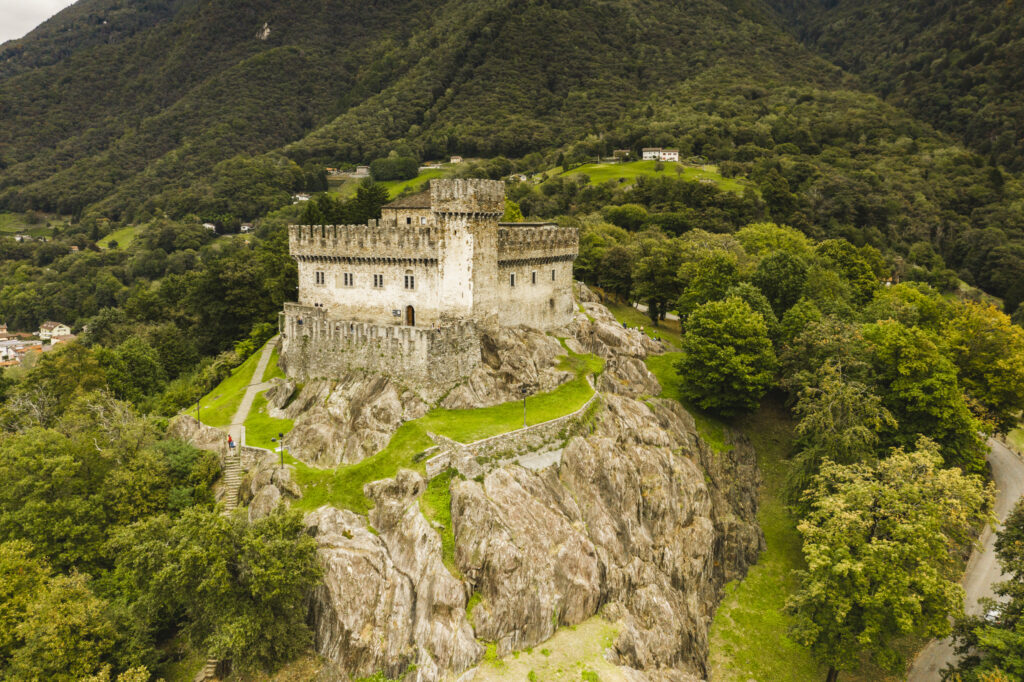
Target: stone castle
point(409, 295)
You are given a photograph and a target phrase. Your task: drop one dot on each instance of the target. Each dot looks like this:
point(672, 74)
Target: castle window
point(321, 277)
point(512, 280)
point(348, 279)
point(408, 221)
point(410, 281)
point(552, 275)
point(378, 281)
point(423, 221)
point(533, 277)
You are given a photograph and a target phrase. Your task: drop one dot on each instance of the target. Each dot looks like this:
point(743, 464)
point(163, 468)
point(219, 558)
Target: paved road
point(982, 569)
point(252, 390)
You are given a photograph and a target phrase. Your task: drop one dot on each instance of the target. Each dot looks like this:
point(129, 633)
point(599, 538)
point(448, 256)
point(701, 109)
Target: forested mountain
point(127, 110)
point(957, 65)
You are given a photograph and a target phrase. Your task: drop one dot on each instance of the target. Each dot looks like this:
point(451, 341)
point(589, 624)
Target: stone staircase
point(210, 671)
point(232, 479)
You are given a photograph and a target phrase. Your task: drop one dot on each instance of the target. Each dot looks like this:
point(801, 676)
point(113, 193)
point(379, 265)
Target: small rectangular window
point(533, 277)
point(346, 279)
point(378, 281)
point(410, 281)
point(321, 277)
point(408, 221)
point(512, 279)
point(423, 221)
point(552, 275)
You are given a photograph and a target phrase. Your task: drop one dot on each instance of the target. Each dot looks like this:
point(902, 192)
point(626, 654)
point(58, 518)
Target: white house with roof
point(651, 153)
point(669, 155)
point(49, 329)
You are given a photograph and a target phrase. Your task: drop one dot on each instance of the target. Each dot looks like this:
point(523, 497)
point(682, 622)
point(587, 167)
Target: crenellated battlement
point(536, 242)
point(468, 197)
point(363, 241)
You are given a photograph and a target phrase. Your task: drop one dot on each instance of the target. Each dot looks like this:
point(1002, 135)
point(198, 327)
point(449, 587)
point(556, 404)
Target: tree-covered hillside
point(958, 65)
point(126, 111)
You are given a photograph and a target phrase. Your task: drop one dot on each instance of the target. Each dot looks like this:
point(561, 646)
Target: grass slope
point(124, 237)
point(573, 653)
point(343, 487)
point(219, 405)
point(710, 428)
point(17, 223)
point(600, 173)
point(748, 634)
point(665, 330)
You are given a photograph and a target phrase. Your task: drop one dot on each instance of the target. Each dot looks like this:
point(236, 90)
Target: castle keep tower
point(467, 211)
point(407, 295)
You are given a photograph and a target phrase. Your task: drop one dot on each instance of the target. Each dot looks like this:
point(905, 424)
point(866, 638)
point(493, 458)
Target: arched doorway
point(410, 316)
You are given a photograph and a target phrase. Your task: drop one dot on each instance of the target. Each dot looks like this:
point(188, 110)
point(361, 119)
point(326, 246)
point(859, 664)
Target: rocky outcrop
point(639, 521)
point(510, 358)
point(186, 428)
point(346, 421)
point(599, 333)
point(626, 525)
point(388, 602)
point(267, 486)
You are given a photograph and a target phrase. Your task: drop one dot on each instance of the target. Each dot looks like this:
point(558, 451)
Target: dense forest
point(957, 65)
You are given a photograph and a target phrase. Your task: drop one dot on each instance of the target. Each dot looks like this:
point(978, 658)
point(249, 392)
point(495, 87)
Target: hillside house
point(48, 330)
point(651, 153)
point(621, 155)
point(456, 159)
point(669, 155)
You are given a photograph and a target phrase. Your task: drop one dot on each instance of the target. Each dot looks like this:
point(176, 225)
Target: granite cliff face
point(639, 521)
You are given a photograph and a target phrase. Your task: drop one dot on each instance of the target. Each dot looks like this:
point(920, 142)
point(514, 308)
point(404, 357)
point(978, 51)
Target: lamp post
point(524, 390)
point(280, 441)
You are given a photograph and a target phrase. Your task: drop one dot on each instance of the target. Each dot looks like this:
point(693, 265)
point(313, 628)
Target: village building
point(456, 159)
point(50, 329)
point(669, 155)
point(651, 153)
point(621, 154)
point(408, 294)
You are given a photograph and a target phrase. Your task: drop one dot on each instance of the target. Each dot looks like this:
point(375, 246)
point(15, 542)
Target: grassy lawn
point(666, 330)
point(1015, 439)
point(124, 237)
point(273, 371)
point(603, 172)
point(343, 487)
point(260, 427)
point(573, 653)
point(17, 223)
point(219, 405)
point(710, 428)
point(396, 187)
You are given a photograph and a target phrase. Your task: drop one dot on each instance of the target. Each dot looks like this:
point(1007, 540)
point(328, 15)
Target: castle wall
point(362, 301)
point(540, 257)
point(314, 346)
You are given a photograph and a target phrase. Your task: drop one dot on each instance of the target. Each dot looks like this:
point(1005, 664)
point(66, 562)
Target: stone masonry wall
point(314, 346)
